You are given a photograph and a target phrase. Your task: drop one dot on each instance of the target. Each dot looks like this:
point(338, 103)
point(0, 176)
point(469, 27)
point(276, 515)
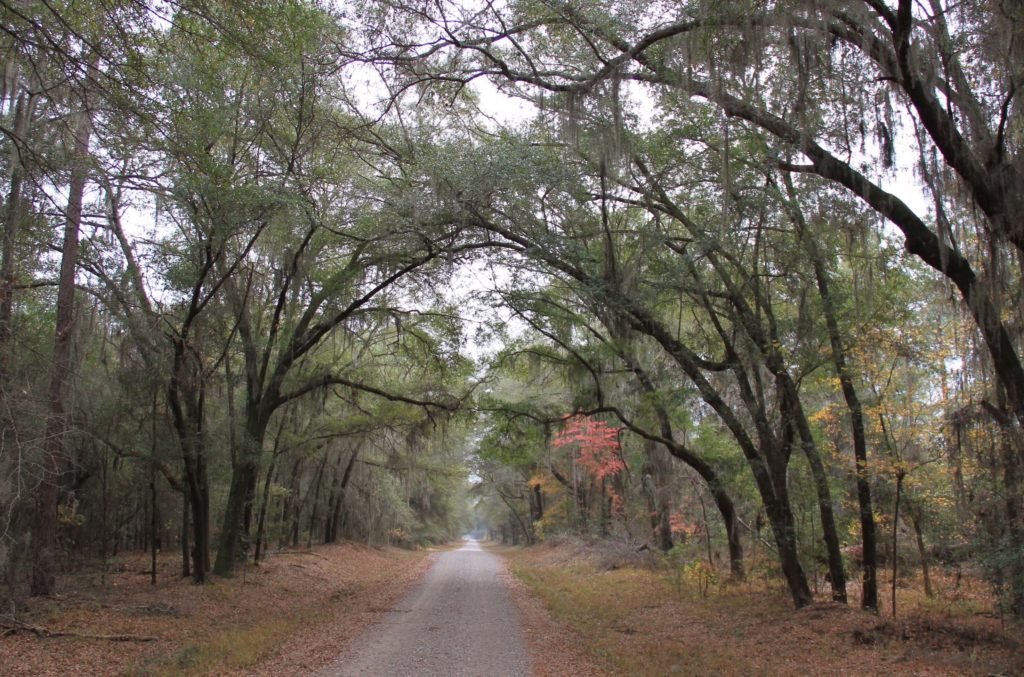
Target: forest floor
point(586, 610)
point(286, 617)
point(630, 615)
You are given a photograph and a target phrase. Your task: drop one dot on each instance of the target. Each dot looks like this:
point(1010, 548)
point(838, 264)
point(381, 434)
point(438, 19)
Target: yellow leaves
point(826, 415)
point(549, 486)
point(68, 514)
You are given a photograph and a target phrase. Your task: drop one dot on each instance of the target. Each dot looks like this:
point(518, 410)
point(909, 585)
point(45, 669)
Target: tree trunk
point(13, 215)
point(261, 519)
point(922, 553)
point(339, 503)
point(604, 512)
point(154, 526)
point(346, 478)
point(828, 523)
point(1014, 529)
point(332, 500)
point(289, 503)
point(707, 528)
point(316, 499)
point(199, 493)
point(579, 495)
point(659, 504)
point(900, 474)
point(186, 569)
point(154, 518)
point(104, 521)
point(514, 519)
point(707, 472)
point(250, 502)
point(231, 546)
point(186, 402)
point(780, 517)
point(869, 543)
point(44, 536)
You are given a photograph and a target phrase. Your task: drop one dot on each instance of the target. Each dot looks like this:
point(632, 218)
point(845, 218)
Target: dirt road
point(458, 622)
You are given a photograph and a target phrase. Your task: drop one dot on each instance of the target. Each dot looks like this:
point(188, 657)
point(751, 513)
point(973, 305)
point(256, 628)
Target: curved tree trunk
point(722, 500)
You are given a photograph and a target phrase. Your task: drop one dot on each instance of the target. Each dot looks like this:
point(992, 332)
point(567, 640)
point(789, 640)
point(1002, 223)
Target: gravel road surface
point(458, 622)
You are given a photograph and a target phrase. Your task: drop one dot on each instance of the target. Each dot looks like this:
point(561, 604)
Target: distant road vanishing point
point(458, 622)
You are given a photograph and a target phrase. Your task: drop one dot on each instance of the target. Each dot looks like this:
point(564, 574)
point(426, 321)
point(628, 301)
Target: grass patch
point(241, 647)
point(229, 650)
point(612, 612)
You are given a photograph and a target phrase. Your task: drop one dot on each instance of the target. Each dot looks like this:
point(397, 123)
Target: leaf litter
point(288, 616)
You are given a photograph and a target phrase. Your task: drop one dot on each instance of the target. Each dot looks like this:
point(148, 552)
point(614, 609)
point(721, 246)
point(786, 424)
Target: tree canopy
point(674, 273)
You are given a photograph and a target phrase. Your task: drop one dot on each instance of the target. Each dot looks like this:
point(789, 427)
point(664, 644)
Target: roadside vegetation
point(648, 615)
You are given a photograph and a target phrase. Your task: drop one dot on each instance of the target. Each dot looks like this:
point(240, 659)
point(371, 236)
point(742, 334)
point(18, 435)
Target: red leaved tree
point(599, 456)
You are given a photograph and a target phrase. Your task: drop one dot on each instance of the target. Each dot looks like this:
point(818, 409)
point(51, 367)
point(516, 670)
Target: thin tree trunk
point(539, 499)
point(869, 542)
point(154, 519)
point(332, 499)
point(339, 516)
point(153, 526)
point(104, 521)
point(232, 419)
point(289, 504)
point(604, 515)
point(820, 477)
point(261, 519)
point(186, 569)
point(707, 527)
point(915, 521)
point(316, 499)
point(1014, 529)
point(515, 519)
point(190, 437)
point(679, 450)
point(900, 474)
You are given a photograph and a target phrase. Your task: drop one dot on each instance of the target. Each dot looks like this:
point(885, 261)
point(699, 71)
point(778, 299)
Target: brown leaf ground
point(286, 617)
point(643, 620)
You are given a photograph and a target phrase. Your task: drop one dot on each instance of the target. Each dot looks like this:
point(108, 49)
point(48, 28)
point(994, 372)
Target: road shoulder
point(553, 646)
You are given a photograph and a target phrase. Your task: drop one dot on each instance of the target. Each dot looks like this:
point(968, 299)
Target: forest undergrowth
point(643, 615)
point(287, 616)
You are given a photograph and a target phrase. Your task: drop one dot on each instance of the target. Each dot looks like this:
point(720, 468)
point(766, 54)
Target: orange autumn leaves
point(597, 449)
